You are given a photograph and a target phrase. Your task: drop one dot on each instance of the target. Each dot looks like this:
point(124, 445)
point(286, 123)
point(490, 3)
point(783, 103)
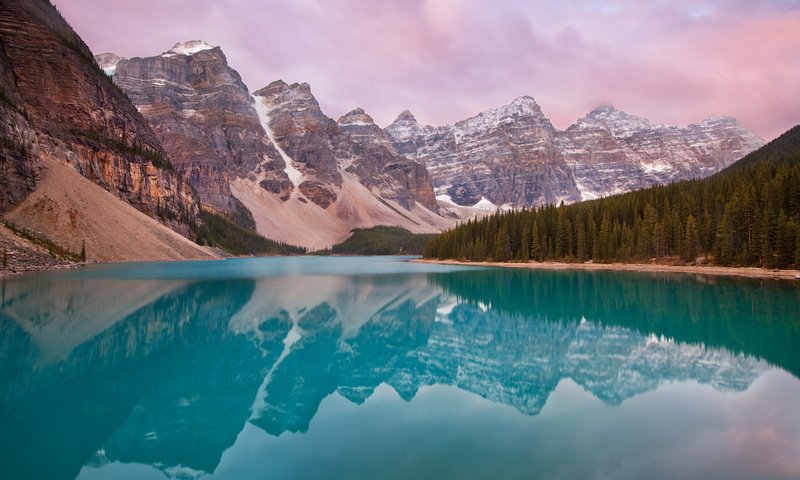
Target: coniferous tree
point(692, 240)
point(536, 245)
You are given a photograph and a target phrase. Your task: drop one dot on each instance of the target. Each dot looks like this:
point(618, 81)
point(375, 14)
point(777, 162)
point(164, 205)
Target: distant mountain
point(745, 215)
point(513, 156)
point(610, 151)
point(78, 163)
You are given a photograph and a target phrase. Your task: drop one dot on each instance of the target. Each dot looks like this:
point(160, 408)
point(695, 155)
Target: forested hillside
point(746, 215)
point(381, 240)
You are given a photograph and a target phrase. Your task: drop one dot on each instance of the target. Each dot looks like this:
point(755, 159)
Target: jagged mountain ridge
point(303, 178)
point(514, 156)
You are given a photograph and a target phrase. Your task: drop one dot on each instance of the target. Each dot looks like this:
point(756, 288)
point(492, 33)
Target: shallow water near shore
point(324, 367)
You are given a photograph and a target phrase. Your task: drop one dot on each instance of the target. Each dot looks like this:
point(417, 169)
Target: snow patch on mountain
point(108, 62)
point(295, 176)
point(188, 48)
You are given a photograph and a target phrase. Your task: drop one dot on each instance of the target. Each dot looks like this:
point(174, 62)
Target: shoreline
point(747, 272)
point(15, 272)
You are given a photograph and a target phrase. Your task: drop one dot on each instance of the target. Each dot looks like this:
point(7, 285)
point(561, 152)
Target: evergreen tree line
point(221, 232)
point(380, 240)
point(745, 215)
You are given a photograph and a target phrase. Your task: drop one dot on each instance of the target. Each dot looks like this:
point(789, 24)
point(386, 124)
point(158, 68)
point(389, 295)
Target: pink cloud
point(673, 62)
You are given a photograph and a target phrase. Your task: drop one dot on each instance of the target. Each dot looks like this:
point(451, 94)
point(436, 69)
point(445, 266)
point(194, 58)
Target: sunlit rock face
point(506, 155)
point(613, 152)
point(61, 107)
point(512, 155)
point(205, 117)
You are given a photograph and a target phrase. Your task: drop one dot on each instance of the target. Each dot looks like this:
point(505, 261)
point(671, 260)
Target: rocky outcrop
point(513, 155)
point(57, 103)
point(205, 118)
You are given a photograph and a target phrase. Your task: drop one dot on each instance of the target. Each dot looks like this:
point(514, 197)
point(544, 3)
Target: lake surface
point(357, 368)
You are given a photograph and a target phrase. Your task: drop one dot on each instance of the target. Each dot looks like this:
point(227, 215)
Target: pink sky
point(674, 62)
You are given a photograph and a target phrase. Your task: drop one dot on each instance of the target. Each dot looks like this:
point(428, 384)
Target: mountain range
point(510, 156)
point(179, 133)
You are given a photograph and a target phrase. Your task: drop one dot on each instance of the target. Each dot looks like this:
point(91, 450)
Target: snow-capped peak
point(720, 119)
point(620, 124)
point(524, 106)
point(356, 116)
point(108, 62)
point(526, 102)
point(405, 116)
point(189, 48)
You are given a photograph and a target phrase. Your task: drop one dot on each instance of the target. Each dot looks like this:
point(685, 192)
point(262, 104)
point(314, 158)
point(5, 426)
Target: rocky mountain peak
point(524, 107)
point(189, 48)
point(280, 92)
point(618, 122)
point(108, 62)
point(721, 120)
point(405, 116)
point(526, 102)
point(356, 116)
point(272, 89)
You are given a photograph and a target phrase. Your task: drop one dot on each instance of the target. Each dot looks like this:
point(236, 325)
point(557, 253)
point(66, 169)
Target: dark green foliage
point(242, 216)
point(381, 240)
point(221, 232)
point(746, 215)
point(55, 250)
point(83, 252)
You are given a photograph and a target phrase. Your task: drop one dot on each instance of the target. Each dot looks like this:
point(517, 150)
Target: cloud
point(673, 62)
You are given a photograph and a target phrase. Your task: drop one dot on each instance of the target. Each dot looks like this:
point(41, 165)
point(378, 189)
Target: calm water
point(379, 368)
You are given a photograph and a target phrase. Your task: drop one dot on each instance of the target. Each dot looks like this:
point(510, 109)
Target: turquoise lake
point(361, 368)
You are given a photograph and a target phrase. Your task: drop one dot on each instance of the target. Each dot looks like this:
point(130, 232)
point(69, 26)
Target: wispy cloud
point(673, 62)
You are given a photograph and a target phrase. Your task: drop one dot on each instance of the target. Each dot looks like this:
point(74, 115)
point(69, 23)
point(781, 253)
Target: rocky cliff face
point(610, 151)
point(323, 150)
point(204, 117)
point(379, 166)
point(513, 155)
point(506, 155)
point(312, 141)
point(57, 104)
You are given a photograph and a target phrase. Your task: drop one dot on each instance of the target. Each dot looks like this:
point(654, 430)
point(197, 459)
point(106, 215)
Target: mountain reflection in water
point(97, 368)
